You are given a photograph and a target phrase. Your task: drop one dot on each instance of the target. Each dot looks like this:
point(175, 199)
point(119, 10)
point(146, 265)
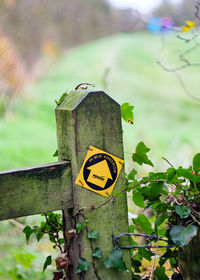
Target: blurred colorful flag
point(160, 25)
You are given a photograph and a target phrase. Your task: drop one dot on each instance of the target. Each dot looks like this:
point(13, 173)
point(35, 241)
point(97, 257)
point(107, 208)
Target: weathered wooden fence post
point(189, 259)
point(83, 119)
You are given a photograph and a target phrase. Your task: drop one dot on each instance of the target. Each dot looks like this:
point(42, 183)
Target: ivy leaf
point(147, 254)
point(47, 262)
point(140, 155)
point(131, 175)
point(182, 211)
point(159, 273)
point(55, 154)
point(157, 175)
point(159, 220)
point(83, 265)
point(167, 255)
point(97, 253)
point(171, 174)
point(61, 98)
point(181, 236)
point(28, 231)
point(93, 234)
point(188, 25)
point(39, 234)
point(127, 112)
point(80, 226)
point(181, 172)
point(144, 223)
point(196, 163)
point(155, 190)
point(115, 260)
point(138, 199)
point(136, 265)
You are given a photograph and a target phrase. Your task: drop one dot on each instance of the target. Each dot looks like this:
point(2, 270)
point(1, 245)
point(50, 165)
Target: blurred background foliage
point(48, 47)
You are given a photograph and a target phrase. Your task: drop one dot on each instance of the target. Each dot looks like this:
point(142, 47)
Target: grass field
point(166, 119)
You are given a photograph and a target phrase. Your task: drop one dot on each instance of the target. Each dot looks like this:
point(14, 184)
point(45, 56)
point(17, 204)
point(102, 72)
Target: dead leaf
point(58, 275)
point(62, 262)
point(70, 233)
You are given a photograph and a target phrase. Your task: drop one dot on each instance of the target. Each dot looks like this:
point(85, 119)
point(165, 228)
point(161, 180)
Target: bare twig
point(167, 161)
point(185, 88)
point(154, 260)
point(182, 56)
point(197, 10)
point(193, 217)
point(174, 70)
point(16, 223)
point(188, 40)
point(187, 63)
point(195, 212)
point(86, 84)
point(183, 66)
point(110, 199)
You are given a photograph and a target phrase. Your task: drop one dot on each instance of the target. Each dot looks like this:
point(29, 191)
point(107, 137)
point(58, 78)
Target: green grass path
point(165, 118)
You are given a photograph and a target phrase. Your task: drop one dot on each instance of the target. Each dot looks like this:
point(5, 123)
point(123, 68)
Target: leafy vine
point(173, 197)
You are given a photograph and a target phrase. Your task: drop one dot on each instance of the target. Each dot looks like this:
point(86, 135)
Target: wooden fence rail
point(35, 190)
point(84, 118)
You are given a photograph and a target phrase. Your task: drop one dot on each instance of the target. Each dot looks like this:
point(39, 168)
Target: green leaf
point(39, 234)
point(80, 226)
point(181, 172)
point(138, 199)
point(140, 155)
point(167, 255)
point(174, 262)
point(115, 260)
point(196, 163)
point(83, 265)
point(136, 277)
point(28, 231)
point(55, 154)
point(61, 98)
point(161, 232)
point(183, 211)
point(159, 274)
point(144, 223)
point(147, 254)
point(131, 228)
point(93, 234)
point(47, 262)
point(127, 112)
point(157, 175)
point(136, 263)
point(181, 236)
point(131, 175)
point(155, 190)
point(97, 253)
point(159, 220)
point(171, 174)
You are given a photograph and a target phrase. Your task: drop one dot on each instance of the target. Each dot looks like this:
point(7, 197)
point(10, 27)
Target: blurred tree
point(179, 12)
point(12, 76)
point(31, 23)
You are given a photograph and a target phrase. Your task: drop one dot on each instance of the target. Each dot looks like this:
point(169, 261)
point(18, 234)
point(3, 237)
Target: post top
point(76, 97)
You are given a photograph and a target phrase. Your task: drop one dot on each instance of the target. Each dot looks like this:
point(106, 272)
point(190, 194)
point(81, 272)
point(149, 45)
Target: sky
point(143, 6)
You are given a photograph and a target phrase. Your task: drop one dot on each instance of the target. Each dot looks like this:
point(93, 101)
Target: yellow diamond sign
point(99, 172)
